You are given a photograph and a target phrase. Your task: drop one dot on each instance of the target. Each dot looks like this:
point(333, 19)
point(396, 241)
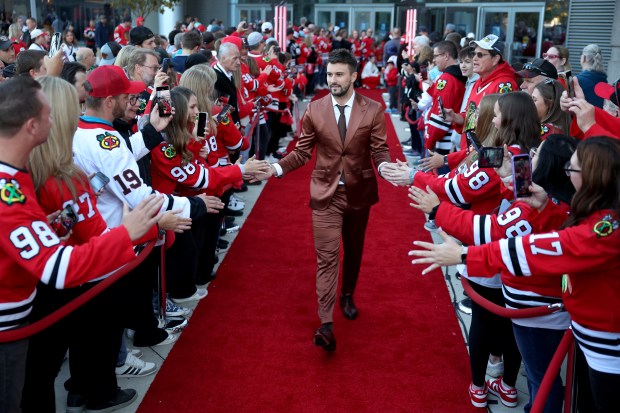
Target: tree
point(145, 7)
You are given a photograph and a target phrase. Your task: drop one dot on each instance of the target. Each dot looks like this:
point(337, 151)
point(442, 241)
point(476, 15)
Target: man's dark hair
point(446, 46)
point(191, 39)
point(466, 52)
point(29, 59)
point(69, 70)
point(343, 56)
point(19, 102)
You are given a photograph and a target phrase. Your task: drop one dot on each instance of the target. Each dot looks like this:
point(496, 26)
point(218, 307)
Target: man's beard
point(343, 90)
point(118, 111)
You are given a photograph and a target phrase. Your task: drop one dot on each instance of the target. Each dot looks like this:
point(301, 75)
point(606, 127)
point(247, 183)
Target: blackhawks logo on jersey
point(504, 88)
point(169, 151)
point(225, 121)
point(108, 141)
point(605, 227)
point(441, 84)
point(142, 105)
point(544, 129)
point(10, 192)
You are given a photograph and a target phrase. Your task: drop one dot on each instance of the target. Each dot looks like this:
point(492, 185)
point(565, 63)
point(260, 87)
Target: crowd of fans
point(196, 115)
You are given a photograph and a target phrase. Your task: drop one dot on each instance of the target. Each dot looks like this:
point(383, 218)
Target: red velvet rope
point(566, 346)
point(508, 312)
point(31, 329)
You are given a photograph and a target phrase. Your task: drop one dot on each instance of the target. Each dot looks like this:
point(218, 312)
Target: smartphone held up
point(65, 221)
point(521, 175)
point(164, 103)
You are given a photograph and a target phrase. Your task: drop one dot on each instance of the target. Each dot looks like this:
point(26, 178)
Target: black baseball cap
point(137, 35)
point(5, 43)
point(538, 67)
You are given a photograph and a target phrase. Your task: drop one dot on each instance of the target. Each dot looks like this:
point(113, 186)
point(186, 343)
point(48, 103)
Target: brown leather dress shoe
point(324, 337)
point(348, 306)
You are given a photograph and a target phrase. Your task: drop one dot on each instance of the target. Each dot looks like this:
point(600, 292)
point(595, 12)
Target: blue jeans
point(122, 352)
point(537, 347)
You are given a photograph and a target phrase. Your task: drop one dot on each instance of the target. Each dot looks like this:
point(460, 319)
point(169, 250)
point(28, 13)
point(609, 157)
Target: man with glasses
point(496, 76)
point(536, 72)
point(449, 88)
point(143, 65)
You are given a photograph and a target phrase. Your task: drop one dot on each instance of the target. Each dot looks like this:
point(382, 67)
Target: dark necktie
point(342, 122)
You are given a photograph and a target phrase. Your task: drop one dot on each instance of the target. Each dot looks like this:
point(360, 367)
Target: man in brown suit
point(348, 132)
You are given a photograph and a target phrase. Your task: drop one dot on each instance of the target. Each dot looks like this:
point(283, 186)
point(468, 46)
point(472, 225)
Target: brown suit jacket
point(365, 140)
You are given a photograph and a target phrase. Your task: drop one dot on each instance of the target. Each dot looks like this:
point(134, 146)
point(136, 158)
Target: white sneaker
point(172, 338)
point(198, 295)
point(235, 205)
point(134, 367)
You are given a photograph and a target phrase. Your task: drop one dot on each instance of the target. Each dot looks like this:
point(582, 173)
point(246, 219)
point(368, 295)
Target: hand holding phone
point(55, 44)
point(474, 140)
point(222, 115)
point(442, 110)
point(65, 221)
point(164, 103)
point(491, 157)
point(98, 182)
point(521, 175)
point(202, 124)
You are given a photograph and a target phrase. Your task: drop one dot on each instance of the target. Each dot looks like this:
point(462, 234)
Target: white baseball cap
point(266, 26)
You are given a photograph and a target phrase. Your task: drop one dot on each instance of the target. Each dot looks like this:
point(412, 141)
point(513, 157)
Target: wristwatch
point(445, 160)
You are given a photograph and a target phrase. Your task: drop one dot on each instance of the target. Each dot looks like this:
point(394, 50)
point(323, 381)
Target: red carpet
point(248, 347)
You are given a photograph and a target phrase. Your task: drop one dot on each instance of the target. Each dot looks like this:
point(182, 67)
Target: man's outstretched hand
point(397, 173)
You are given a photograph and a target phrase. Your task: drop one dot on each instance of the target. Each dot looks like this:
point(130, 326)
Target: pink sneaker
point(478, 397)
point(507, 395)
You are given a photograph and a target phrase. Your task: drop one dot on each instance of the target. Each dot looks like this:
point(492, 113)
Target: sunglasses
point(550, 56)
point(480, 55)
point(529, 66)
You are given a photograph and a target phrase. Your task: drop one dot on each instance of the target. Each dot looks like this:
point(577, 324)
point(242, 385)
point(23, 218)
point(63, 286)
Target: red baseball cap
point(607, 91)
point(112, 81)
point(234, 40)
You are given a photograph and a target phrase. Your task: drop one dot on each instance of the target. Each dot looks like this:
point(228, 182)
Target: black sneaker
point(222, 244)
point(123, 397)
point(465, 306)
point(75, 403)
point(230, 221)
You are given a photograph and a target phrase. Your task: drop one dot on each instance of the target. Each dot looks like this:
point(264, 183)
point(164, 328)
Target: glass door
point(520, 28)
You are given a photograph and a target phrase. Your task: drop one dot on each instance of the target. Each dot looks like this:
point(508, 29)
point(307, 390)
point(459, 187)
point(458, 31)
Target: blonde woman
point(92, 335)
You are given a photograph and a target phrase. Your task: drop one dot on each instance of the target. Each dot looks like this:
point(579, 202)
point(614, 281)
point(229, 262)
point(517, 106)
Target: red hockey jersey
point(31, 252)
point(586, 257)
